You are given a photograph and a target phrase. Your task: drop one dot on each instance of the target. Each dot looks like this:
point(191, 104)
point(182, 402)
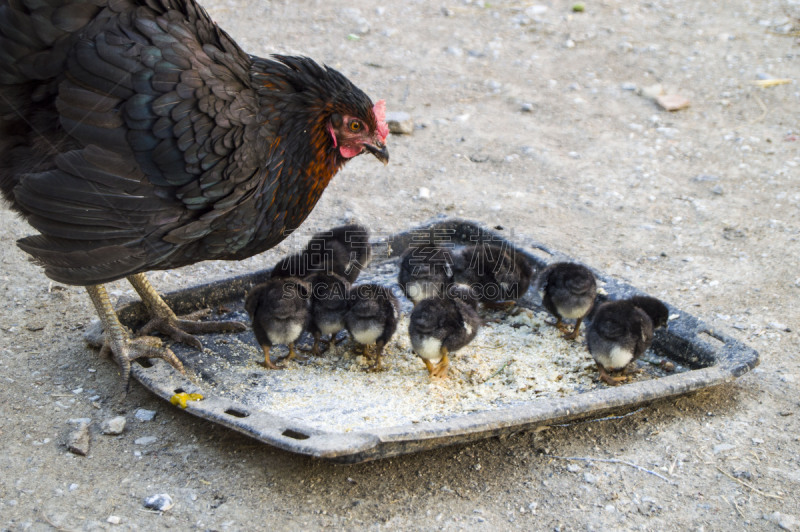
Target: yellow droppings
point(180, 399)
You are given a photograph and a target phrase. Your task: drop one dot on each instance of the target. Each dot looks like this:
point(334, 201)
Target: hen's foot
point(167, 323)
point(119, 345)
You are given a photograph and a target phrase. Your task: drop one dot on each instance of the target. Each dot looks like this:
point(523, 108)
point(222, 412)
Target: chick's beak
point(378, 150)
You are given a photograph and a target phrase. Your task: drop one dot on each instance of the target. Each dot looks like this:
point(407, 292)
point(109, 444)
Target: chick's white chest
point(429, 348)
point(615, 358)
point(367, 335)
point(284, 333)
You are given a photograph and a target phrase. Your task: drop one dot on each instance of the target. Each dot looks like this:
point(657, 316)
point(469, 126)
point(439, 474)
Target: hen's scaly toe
point(124, 352)
point(164, 320)
point(184, 329)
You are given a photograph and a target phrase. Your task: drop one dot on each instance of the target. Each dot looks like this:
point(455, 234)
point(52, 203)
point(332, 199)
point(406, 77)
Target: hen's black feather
point(136, 135)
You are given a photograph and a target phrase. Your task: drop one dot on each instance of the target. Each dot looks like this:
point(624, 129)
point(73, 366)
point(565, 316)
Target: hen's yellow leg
point(124, 349)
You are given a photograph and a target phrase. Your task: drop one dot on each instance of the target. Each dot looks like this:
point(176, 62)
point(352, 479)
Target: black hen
point(136, 135)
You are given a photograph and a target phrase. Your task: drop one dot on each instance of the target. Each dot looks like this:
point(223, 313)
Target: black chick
point(655, 309)
point(329, 303)
point(498, 275)
point(439, 326)
point(425, 272)
point(568, 291)
point(343, 250)
point(621, 331)
point(280, 311)
point(372, 318)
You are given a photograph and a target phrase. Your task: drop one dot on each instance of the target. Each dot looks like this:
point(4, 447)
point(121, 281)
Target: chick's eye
point(355, 125)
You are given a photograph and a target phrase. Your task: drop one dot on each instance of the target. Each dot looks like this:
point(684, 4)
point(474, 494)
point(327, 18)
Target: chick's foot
point(574, 334)
point(269, 364)
point(608, 379)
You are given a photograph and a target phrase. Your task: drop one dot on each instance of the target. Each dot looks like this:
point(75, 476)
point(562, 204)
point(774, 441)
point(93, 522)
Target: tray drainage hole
point(179, 390)
point(144, 362)
point(289, 433)
point(236, 413)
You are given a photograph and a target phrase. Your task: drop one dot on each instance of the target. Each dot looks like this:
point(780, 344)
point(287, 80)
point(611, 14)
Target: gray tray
point(702, 356)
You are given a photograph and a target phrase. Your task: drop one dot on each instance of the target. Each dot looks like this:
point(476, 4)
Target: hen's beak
point(378, 150)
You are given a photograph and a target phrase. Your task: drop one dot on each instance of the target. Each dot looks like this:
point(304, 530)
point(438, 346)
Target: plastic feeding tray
point(518, 372)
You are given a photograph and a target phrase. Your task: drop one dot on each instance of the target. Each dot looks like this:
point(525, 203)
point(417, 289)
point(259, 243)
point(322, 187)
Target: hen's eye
point(355, 125)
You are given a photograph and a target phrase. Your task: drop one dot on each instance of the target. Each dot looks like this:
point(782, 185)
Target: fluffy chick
point(329, 303)
point(371, 318)
point(439, 326)
point(425, 271)
point(568, 291)
point(621, 331)
point(343, 250)
point(498, 275)
point(280, 311)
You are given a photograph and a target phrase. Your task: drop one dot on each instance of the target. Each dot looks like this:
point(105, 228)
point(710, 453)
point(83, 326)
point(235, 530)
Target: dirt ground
point(529, 116)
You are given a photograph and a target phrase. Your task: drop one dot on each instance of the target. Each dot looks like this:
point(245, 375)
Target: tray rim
point(730, 360)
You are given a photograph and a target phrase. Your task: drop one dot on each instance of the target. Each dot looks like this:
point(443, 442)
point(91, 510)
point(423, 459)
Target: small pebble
point(589, 478)
point(672, 102)
point(424, 193)
point(160, 502)
point(722, 447)
point(705, 178)
point(114, 519)
point(145, 440)
point(113, 426)
point(784, 521)
point(400, 123)
point(573, 468)
point(652, 92)
point(73, 487)
point(78, 439)
point(144, 415)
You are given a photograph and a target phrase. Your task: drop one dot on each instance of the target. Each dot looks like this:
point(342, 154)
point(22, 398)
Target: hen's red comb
point(379, 109)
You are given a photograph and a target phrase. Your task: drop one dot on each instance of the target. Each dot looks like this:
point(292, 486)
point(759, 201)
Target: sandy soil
point(528, 116)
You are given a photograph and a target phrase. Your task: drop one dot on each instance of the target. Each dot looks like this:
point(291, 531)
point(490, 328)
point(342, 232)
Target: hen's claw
point(119, 345)
point(167, 323)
